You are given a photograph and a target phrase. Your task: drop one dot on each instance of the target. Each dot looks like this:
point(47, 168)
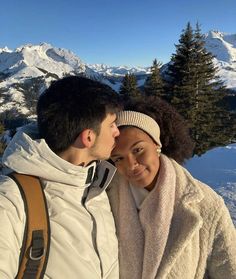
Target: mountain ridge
point(44, 63)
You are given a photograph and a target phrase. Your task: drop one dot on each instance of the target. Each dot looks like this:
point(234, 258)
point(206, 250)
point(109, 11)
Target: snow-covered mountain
point(35, 60)
point(22, 68)
point(113, 75)
point(223, 47)
point(35, 66)
point(118, 71)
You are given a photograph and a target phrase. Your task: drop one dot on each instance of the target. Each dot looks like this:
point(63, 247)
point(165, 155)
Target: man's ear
point(87, 138)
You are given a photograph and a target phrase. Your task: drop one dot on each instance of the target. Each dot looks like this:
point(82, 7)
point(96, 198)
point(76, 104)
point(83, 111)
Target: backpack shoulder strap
point(36, 242)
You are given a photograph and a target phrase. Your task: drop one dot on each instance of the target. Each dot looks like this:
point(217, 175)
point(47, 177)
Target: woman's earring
point(159, 151)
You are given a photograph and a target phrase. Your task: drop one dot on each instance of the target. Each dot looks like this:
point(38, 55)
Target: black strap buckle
point(37, 250)
point(38, 257)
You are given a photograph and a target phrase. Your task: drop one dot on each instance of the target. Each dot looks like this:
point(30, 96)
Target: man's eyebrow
point(113, 121)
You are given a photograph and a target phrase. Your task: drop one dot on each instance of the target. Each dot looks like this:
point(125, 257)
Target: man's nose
point(116, 132)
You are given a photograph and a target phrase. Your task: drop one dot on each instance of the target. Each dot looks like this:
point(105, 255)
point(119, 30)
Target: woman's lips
point(136, 173)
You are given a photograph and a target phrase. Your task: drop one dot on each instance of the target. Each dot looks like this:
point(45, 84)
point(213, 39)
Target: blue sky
point(112, 32)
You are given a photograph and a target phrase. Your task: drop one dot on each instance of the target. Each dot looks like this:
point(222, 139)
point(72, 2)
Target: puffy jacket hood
point(29, 154)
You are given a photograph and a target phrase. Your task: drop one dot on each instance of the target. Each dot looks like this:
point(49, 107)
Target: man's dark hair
point(71, 105)
point(175, 136)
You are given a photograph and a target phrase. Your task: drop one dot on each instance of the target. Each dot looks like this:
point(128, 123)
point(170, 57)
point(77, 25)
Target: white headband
point(140, 120)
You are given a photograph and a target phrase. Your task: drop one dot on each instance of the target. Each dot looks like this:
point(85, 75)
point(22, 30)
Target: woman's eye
point(116, 160)
point(137, 150)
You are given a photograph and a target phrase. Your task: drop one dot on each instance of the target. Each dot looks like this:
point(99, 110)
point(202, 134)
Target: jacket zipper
point(94, 230)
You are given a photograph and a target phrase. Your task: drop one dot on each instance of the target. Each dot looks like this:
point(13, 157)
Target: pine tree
point(211, 119)
point(129, 88)
point(181, 73)
point(154, 85)
point(196, 90)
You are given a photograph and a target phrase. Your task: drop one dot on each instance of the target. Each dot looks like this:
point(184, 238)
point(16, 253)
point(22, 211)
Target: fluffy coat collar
point(170, 202)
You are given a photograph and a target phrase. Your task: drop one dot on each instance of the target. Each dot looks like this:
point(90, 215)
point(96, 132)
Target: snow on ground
point(217, 168)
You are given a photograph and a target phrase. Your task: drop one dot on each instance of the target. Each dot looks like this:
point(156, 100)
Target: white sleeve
point(222, 263)
point(12, 224)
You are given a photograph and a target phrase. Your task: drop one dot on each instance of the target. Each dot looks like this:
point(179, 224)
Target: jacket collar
point(103, 176)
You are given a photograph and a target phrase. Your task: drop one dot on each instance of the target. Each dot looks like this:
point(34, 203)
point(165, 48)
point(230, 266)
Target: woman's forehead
point(130, 136)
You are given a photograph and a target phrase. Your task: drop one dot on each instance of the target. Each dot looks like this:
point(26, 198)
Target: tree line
point(190, 83)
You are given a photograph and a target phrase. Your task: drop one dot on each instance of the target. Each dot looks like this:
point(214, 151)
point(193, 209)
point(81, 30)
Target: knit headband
point(140, 120)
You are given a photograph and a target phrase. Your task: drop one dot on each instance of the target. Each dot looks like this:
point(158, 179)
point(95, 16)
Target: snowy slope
point(217, 168)
point(223, 47)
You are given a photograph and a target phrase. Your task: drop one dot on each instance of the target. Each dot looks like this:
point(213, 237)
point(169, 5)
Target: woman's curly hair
point(175, 137)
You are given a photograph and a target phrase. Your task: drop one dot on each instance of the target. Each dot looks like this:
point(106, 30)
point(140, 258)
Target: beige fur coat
point(196, 239)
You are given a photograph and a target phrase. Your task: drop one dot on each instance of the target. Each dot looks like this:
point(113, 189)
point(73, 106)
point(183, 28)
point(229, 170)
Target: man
point(76, 128)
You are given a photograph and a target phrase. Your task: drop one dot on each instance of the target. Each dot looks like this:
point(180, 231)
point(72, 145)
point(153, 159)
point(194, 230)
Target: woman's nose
point(132, 162)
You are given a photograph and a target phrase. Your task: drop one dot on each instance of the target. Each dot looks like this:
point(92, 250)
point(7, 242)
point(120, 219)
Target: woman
point(169, 224)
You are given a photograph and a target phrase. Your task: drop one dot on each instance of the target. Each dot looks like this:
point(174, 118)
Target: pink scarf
point(143, 235)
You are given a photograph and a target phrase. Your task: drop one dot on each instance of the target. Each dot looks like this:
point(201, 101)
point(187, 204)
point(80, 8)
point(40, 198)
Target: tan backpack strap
point(35, 248)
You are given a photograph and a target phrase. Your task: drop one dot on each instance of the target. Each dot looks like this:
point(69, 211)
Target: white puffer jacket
point(83, 237)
